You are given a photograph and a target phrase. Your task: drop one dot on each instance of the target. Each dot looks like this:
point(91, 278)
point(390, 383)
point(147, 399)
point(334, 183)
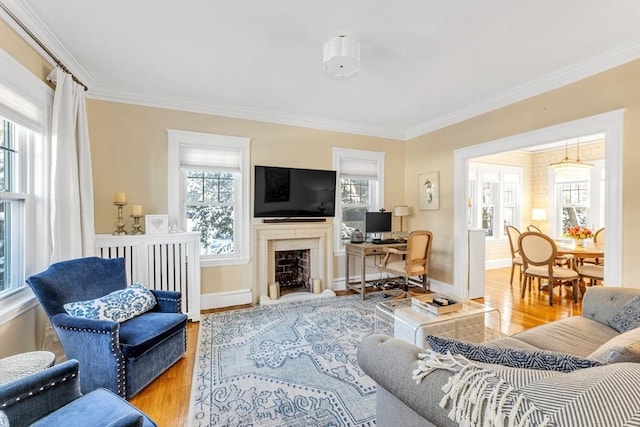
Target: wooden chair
point(598, 237)
point(561, 260)
point(539, 253)
point(516, 259)
point(532, 227)
point(414, 262)
point(593, 272)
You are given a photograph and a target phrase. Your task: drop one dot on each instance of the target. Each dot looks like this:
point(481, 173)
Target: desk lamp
point(402, 210)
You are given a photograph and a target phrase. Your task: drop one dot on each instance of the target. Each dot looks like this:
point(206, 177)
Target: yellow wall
point(611, 90)
point(129, 151)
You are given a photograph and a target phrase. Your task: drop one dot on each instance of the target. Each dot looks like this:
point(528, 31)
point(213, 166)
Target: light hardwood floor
point(166, 400)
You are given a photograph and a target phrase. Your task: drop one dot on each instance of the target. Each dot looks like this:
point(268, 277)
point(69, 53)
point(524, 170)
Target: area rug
point(290, 364)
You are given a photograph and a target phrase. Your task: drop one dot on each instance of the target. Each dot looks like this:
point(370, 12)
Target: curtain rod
point(35, 39)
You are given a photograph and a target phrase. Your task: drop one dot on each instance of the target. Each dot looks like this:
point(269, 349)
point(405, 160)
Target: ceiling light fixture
point(342, 56)
point(571, 169)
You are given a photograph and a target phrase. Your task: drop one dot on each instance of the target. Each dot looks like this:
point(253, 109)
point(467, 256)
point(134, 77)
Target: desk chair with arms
point(415, 262)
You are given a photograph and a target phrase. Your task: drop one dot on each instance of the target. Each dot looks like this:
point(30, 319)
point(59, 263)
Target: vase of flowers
point(579, 234)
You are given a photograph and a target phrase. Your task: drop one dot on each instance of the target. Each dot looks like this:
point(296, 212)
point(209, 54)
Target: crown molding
point(562, 77)
point(570, 74)
point(246, 113)
point(30, 19)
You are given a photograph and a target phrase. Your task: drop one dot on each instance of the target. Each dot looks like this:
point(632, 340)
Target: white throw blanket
point(478, 396)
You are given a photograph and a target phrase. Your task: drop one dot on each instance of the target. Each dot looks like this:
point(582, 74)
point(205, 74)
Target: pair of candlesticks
point(136, 215)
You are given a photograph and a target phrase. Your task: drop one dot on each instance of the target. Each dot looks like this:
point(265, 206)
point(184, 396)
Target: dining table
point(589, 249)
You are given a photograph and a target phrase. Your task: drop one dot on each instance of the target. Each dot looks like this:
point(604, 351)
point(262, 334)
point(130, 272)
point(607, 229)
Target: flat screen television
point(291, 192)
point(377, 222)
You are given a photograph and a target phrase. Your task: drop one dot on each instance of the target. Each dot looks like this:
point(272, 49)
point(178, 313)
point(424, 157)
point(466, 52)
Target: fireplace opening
point(293, 270)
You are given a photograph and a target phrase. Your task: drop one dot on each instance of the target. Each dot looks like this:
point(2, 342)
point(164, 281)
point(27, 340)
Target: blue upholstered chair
point(52, 398)
point(122, 357)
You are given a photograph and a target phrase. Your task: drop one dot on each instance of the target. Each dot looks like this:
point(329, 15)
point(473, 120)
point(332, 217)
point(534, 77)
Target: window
point(25, 244)
point(578, 202)
point(361, 185)
point(209, 193)
point(494, 197)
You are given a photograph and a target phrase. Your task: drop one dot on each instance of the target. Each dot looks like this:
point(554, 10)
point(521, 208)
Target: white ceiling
point(424, 64)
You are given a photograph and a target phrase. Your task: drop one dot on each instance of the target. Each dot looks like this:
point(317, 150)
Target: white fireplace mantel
point(271, 237)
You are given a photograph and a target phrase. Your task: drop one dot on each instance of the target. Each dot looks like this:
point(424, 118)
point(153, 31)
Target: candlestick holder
point(136, 224)
point(120, 222)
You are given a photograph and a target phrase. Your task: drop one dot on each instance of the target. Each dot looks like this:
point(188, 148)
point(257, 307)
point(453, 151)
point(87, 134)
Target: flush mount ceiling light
point(342, 56)
point(571, 169)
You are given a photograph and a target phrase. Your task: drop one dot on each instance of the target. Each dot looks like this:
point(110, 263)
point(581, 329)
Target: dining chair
point(593, 272)
point(539, 253)
point(516, 259)
point(561, 260)
point(598, 237)
point(414, 261)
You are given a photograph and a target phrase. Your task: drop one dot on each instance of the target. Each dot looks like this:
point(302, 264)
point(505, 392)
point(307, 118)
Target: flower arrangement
point(578, 232)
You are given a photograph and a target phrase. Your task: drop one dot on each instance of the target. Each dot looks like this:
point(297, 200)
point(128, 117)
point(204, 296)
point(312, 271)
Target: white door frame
point(611, 123)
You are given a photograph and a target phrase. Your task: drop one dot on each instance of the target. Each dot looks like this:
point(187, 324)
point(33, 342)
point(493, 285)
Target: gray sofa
point(402, 402)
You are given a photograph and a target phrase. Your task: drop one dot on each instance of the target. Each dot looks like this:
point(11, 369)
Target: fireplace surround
point(270, 238)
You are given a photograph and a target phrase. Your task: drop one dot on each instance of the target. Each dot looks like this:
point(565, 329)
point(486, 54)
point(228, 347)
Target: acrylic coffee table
point(474, 322)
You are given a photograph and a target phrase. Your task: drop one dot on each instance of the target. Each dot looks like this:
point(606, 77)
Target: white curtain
point(73, 232)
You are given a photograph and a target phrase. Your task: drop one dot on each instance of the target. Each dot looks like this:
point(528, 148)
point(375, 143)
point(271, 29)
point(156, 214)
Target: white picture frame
point(429, 189)
point(156, 224)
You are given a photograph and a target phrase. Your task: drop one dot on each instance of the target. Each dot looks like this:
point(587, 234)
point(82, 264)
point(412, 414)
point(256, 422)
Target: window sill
point(16, 304)
point(224, 262)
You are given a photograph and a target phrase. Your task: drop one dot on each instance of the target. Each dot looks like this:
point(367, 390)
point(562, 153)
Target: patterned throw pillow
point(513, 357)
point(628, 317)
point(623, 348)
point(117, 306)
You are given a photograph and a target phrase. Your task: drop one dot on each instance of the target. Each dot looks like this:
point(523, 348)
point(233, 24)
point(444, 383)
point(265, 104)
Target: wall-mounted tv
point(291, 192)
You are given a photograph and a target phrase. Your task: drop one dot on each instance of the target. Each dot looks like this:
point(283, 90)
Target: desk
point(24, 364)
point(363, 250)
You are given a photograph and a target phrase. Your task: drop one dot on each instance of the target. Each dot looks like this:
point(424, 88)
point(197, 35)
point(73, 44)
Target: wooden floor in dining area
point(166, 400)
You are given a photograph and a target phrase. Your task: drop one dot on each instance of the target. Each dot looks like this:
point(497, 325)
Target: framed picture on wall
point(429, 189)
point(156, 224)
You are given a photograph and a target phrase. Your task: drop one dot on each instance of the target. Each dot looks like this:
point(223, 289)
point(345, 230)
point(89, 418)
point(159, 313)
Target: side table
point(474, 322)
point(24, 364)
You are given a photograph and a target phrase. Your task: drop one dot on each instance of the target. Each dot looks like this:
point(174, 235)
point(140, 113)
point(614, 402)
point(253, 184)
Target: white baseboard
point(225, 299)
point(497, 263)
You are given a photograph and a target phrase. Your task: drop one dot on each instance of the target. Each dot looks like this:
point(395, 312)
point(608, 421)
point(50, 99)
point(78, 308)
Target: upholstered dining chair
point(414, 260)
point(102, 323)
point(513, 233)
point(561, 260)
point(594, 273)
point(539, 253)
point(598, 237)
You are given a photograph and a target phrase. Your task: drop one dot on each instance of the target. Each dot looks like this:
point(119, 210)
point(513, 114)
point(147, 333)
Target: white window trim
point(176, 196)
point(478, 168)
point(34, 113)
point(338, 154)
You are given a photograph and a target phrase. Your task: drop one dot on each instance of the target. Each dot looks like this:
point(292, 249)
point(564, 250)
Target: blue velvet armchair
point(52, 398)
point(122, 357)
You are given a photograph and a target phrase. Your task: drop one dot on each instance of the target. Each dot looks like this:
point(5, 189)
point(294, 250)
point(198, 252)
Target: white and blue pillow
point(118, 306)
point(513, 357)
point(628, 317)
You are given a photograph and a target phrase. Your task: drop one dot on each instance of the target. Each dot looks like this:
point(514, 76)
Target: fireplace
point(293, 270)
point(315, 240)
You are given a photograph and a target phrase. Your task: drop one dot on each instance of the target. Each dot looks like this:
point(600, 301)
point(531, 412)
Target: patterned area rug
point(290, 364)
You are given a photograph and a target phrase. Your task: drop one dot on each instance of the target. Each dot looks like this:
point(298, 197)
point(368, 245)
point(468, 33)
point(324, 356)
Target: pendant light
point(571, 169)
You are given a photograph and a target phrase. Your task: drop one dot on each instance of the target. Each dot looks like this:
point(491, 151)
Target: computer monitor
point(377, 222)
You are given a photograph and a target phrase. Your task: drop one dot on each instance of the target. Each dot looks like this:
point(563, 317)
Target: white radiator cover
point(169, 262)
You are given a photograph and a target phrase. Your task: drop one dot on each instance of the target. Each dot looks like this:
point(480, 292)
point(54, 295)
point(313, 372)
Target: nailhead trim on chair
point(31, 393)
point(121, 367)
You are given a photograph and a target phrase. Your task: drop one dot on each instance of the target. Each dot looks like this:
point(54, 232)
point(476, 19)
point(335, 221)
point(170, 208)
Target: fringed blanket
point(476, 396)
